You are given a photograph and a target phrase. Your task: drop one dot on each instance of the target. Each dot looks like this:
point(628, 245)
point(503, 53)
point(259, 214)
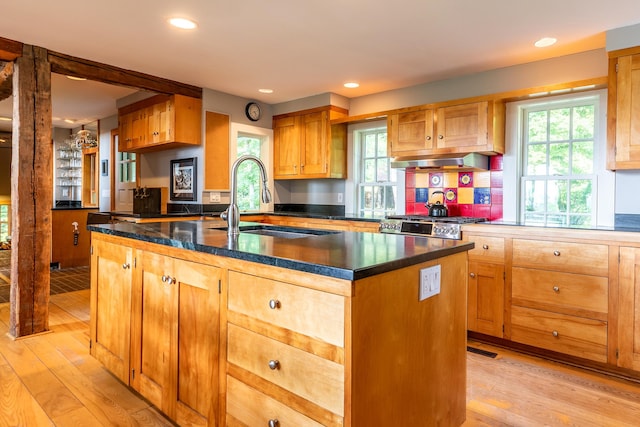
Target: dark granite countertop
point(343, 255)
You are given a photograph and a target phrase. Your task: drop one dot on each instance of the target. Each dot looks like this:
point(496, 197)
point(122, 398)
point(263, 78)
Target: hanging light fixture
point(84, 139)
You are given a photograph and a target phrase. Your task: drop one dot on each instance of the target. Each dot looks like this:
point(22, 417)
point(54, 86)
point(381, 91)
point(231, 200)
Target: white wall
point(106, 125)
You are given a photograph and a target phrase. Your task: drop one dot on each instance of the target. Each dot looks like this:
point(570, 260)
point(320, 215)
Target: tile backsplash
point(477, 194)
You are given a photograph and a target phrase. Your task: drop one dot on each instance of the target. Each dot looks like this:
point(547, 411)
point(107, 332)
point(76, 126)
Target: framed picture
point(183, 179)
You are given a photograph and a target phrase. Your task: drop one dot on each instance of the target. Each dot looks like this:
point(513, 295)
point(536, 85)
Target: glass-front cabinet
point(68, 176)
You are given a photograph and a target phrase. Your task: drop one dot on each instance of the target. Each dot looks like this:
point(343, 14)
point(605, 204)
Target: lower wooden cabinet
point(112, 268)
point(629, 309)
point(155, 325)
point(485, 312)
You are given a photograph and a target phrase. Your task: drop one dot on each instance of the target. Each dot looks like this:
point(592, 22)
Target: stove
point(448, 227)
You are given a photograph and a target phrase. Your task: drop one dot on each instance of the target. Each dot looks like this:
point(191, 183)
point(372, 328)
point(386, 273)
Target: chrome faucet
point(232, 214)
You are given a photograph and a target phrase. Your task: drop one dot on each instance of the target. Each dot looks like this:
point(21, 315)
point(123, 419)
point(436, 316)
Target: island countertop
point(344, 255)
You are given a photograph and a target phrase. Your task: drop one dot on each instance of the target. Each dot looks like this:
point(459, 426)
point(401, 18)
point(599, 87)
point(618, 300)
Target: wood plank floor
point(50, 379)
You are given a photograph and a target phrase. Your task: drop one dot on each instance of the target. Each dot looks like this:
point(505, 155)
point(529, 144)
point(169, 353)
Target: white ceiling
point(302, 48)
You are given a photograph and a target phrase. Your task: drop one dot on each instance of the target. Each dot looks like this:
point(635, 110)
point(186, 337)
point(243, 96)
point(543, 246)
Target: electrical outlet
point(214, 197)
point(340, 197)
point(429, 282)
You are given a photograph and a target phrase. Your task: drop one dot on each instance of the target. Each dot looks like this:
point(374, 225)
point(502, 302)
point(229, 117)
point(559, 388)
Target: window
point(562, 159)
point(5, 222)
point(249, 180)
point(378, 184)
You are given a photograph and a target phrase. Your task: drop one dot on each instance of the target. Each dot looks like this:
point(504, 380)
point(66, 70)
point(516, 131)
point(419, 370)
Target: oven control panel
point(421, 228)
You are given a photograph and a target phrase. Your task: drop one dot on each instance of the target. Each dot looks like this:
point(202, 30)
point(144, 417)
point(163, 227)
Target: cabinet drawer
point(577, 336)
point(487, 249)
point(562, 256)
point(323, 380)
point(253, 408)
point(317, 314)
point(561, 290)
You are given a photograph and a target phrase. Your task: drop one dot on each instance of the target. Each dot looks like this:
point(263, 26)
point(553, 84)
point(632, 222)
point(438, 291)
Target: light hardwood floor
point(50, 379)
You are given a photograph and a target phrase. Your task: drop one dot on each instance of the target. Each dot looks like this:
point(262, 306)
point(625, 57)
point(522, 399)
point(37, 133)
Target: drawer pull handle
point(126, 266)
point(274, 423)
point(273, 304)
point(274, 364)
point(556, 253)
point(485, 247)
point(472, 274)
point(168, 279)
point(555, 334)
point(556, 289)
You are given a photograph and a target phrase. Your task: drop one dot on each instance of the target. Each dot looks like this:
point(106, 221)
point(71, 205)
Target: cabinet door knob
point(274, 423)
point(274, 303)
point(472, 274)
point(440, 136)
point(556, 289)
point(274, 364)
point(556, 253)
point(485, 247)
point(428, 138)
point(555, 333)
point(126, 266)
point(168, 279)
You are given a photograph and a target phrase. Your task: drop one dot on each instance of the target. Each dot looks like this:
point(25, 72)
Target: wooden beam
point(69, 65)
point(9, 49)
point(6, 74)
point(31, 194)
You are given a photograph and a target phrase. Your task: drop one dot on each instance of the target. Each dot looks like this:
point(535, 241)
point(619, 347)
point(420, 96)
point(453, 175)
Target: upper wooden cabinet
point(306, 145)
point(623, 116)
point(464, 128)
point(159, 123)
point(216, 151)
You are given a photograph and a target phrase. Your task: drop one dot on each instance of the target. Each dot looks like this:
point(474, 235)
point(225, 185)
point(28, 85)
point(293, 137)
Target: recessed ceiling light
point(76, 78)
point(5, 119)
point(70, 121)
point(185, 24)
point(265, 90)
point(545, 41)
point(352, 85)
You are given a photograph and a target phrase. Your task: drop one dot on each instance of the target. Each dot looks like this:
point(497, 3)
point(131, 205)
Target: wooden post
point(31, 193)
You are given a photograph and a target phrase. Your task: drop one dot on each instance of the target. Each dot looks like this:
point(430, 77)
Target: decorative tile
point(465, 195)
point(465, 210)
point(496, 179)
point(482, 196)
point(496, 196)
point(436, 197)
point(465, 179)
point(435, 179)
point(422, 195)
point(454, 209)
point(481, 211)
point(450, 180)
point(482, 179)
point(422, 180)
point(420, 209)
point(410, 196)
point(495, 163)
point(409, 179)
point(451, 195)
point(496, 212)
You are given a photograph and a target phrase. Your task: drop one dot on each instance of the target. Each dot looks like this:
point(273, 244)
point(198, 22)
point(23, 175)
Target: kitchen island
point(271, 328)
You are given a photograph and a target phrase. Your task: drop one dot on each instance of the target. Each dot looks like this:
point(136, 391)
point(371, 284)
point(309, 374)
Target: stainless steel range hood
point(471, 161)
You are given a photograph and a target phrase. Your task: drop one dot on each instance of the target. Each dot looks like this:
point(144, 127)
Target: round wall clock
point(253, 111)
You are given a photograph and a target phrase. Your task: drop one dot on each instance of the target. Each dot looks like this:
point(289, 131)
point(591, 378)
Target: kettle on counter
point(437, 209)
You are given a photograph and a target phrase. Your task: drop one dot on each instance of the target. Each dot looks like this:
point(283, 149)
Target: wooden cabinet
point(560, 297)
point(628, 306)
point(410, 134)
point(216, 151)
point(447, 129)
point(112, 267)
point(155, 325)
point(306, 145)
point(623, 127)
point(175, 337)
point(160, 122)
point(485, 306)
point(324, 224)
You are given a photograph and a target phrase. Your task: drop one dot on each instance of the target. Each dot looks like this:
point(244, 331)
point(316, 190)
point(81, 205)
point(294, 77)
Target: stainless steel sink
point(280, 232)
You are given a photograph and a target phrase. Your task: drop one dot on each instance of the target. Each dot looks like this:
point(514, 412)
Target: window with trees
point(377, 186)
point(249, 181)
point(5, 222)
point(559, 155)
